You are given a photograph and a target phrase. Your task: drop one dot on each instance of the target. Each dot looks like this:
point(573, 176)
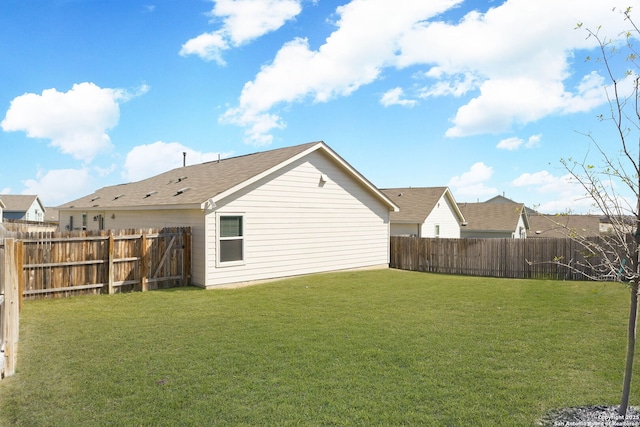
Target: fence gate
point(64, 264)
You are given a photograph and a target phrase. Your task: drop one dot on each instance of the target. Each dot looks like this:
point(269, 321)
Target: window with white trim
point(230, 238)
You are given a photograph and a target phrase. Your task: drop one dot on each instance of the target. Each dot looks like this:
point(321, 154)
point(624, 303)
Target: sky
point(484, 97)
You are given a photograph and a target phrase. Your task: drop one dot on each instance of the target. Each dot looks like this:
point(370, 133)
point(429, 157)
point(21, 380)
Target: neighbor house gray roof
point(561, 226)
point(503, 199)
point(51, 214)
point(417, 203)
point(192, 186)
point(18, 202)
point(493, 216)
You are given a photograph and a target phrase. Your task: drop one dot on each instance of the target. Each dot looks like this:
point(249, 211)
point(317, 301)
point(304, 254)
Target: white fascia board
point(454, 204)
point(319, 146)
point(40, 203)
point(364, 181)
point(525, 218)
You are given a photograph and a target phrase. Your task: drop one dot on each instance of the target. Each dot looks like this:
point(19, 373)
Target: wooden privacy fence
point(76, 263)
point(510, 258)
point(9, 307)
point(52, 265)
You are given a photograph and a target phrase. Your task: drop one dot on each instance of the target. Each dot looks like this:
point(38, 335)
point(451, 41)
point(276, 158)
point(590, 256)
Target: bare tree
point(614, 184)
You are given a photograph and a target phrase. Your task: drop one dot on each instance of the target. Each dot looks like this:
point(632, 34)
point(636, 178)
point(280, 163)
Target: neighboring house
point(624, 224)
point(425, 212)
point(562, 226)
point(499, 199)
point(503, 199)
point(494, 220)
point(2, 206)
point(278, 213)
point(51, 215)
point(23, 208)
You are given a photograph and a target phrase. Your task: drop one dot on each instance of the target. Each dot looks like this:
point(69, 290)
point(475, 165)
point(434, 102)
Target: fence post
point(20, 271)
point(11, 320)
point(110, 271)
point(144, 285)
point(186, 256)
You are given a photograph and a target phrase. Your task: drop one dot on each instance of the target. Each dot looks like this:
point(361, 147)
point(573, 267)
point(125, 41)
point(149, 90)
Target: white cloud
point(456, 85)
point(473, 182)
point(76, 122)
point(563, 193)
point(515, 59)
point(510, 144)
point(520, 51)
point(394, 97)
point(514, 143)
point(208, 46)
point(148, 160)
point(533, 141)
point(56, 187)
point(365, 41)
point(243, 21)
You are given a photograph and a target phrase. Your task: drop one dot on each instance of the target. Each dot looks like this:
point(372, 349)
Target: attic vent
point(118, 196)
point(149, 194)
point(401, 194)
point(182, 178)
point(182, 190)
point(95, 198)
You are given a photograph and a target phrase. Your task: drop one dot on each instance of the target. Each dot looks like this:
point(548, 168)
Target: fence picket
point(77, 263)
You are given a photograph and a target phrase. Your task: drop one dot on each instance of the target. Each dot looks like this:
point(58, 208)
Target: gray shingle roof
point(560, 226)
point(17, 203)
point(492, 216)
point(193, 185)
point(187, 185)
point(415, 203)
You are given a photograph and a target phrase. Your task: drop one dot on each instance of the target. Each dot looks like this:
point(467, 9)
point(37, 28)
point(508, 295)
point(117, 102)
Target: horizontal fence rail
point(508, 258)
point(78, 263)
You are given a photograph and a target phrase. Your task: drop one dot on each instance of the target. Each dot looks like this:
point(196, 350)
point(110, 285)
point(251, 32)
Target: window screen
point(231, 239)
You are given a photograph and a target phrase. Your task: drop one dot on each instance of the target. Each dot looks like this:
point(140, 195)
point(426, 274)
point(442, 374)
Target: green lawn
point(382, 347)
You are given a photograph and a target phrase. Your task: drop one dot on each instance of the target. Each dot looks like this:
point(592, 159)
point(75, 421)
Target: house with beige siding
point(494, 220)
point(563, 226)
point(272, 214)
point(425, 212)
point(22, 207)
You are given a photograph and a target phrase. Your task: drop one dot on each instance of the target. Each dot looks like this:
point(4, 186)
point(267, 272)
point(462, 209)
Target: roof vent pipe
point(184, 158)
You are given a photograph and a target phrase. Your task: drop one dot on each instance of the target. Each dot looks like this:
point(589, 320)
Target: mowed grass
point(382, 347)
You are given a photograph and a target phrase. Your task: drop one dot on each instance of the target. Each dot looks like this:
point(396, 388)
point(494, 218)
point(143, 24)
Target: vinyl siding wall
point(295, 224)
point(444, 216)
point(405, 229)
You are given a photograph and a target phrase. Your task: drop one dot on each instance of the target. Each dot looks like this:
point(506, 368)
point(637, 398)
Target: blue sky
point(485, 97)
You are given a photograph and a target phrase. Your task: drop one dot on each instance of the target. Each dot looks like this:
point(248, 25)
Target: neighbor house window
point(437, 230)
point(231, 238)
